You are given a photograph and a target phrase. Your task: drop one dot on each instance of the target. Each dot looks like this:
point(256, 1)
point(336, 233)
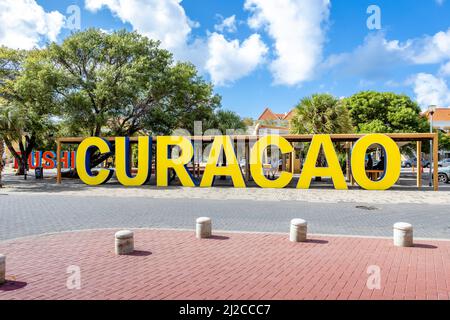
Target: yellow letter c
point(83, 157)
point(256, 168)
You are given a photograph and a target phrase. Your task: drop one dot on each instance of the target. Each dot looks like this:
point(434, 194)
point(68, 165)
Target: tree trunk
point(25, 151)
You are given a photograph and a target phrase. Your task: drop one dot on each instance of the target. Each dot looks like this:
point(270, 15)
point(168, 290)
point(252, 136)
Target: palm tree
point(321, 114)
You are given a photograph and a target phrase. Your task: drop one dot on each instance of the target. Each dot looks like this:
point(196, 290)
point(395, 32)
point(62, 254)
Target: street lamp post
point(431, 111)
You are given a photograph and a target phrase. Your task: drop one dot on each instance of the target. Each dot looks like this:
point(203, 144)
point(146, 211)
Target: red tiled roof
point(289, 115)
point(269, 115)
point(441, 114)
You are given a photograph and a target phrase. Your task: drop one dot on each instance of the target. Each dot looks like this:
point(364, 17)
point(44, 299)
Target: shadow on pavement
point(219, 238)
point(316, 241)
point(140, 253)
point(424, 246)
point(11, 285)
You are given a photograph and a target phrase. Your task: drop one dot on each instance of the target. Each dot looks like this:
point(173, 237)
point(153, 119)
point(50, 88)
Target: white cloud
point(229, 60)
point(298, 31)
point(377, 57)
point(163, 20)
point(227, 24)
point(371, 60)
point(24, 24)
point(444, 70)
point(431, 49)
point(431, 90)
point(166, 20)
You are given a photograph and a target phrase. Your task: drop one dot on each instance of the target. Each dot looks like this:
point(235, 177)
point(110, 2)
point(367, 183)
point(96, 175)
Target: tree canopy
point(385, 112)
point(26, 102)
point(122, 83)
point(225, 120)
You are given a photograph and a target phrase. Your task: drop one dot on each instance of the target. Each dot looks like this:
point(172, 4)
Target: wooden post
point(58, 162)
point(266, 156)
point(283, 162)
point(347, 162)
point(419, 169)
point(435, 162)
point(292, 161)
point(247, 160)
point(352, 181)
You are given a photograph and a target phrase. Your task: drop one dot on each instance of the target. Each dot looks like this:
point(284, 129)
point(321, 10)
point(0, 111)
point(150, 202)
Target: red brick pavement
point(175, 265)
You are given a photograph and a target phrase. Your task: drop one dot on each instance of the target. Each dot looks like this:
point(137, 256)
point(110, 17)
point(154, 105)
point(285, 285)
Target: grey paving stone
point(23, 215)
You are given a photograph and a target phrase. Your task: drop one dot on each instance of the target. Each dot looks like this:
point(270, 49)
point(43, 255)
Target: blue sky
point(264, 53)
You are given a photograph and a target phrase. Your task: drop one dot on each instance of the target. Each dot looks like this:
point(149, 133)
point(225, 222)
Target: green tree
point(444, 140)
point(178, 100)
point(26, 102)
point(385, 112)
point(321, 114)
point(248, 121)
point(101, 77)
point(122, 83)
point(227, 121)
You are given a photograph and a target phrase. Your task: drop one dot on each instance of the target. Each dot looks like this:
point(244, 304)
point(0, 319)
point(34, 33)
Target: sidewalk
point(172, 264)
point(319, 193)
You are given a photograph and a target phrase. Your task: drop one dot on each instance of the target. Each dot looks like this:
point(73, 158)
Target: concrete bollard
point(203, 228)
point(2, 269)
point(403, 234)
point(124, 242)
point(298, 230)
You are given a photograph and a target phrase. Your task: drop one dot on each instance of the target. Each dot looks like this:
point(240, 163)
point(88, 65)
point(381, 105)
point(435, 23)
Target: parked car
point(444, 163)
point(444, 174)
point(413, 162)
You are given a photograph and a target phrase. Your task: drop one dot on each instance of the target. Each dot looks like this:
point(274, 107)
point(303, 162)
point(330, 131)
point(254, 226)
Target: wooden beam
point(291, 138)
point(58, 162)
point(435, 162)
point(419, 162)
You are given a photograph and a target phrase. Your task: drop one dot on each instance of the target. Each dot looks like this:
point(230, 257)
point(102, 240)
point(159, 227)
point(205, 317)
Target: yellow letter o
point(392, 160)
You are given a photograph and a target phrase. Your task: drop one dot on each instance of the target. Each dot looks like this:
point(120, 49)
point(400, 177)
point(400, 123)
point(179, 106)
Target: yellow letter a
point(333, 170)
point(164, 163)
point(232, 169)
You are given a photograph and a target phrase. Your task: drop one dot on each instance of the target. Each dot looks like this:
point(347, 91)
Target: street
point(23, 215)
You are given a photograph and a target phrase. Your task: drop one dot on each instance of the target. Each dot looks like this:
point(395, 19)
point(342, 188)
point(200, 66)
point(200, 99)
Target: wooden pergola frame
point(419, 138)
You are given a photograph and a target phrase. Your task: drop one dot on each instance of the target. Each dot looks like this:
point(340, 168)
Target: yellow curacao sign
point(223, 144)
